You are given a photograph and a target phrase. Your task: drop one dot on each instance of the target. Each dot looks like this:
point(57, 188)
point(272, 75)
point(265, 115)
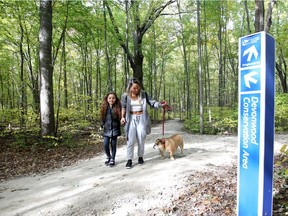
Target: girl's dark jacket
point(111, 125)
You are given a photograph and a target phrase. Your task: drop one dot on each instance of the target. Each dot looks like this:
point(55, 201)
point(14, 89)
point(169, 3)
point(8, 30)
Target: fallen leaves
point(211, 192)
point(214, 192)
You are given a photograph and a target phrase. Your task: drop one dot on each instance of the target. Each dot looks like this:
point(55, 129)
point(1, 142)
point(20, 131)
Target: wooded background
point(59, 58)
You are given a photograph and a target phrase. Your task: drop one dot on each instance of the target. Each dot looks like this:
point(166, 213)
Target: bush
point(281, 113)
point(223, 119)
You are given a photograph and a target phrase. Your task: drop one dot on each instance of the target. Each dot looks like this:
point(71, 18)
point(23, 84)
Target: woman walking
point(136, 117)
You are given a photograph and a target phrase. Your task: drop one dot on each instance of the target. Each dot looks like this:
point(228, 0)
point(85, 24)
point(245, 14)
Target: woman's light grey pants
point(136, 133)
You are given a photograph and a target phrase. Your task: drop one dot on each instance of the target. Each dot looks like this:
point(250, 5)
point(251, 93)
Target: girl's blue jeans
point(113, 142)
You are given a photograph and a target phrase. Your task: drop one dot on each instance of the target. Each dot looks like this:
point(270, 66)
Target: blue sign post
point(256, 124)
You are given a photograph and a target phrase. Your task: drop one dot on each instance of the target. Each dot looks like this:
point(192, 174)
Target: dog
point(170, 145)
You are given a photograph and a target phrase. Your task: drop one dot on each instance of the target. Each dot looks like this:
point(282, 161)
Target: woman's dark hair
point(105, 105)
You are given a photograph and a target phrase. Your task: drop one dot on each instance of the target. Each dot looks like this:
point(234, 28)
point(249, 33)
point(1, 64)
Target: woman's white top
point(136, 105)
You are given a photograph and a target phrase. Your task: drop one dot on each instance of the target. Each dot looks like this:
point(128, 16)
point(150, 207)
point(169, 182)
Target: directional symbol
point(251, 51)
point(249, 78)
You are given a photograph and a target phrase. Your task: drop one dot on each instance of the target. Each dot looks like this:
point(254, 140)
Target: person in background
point(136, 118)
point(110, 116)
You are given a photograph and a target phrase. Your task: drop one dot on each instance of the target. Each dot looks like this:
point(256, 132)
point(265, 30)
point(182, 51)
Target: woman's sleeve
point(124, 100)
point(152, 103)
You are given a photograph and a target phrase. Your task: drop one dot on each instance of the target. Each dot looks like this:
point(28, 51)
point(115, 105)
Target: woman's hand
point(123, 120)
point(163, 103)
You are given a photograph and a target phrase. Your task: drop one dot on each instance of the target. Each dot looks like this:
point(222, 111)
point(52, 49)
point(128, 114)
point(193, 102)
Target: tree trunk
point(2, 89)
point(186, 67)
point(22, 81)
point(98, 74)
point(126, 59)
point(33, 80)
point(247, 17)
point(259, 15)
point(283, 78)
point(221, 85)
point(154, 71)
point(108, 62)
point(206, 69)
point(65, 60)
point(65, 74)
point(136, 59)
point(269, 16)
point(46, 71)
point(201, 127)
point(281, 68)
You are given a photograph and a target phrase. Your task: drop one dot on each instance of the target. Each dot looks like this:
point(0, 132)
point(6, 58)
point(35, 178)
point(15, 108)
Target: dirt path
point(91, 188)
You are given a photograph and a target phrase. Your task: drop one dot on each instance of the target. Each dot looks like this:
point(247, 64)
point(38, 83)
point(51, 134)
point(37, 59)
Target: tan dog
point(170, 145)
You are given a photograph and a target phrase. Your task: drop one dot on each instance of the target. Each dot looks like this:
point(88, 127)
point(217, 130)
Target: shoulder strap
point(147, 100)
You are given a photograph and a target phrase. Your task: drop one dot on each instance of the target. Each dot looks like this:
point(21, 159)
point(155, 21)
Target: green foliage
point(9, 115)
point(192, 125)
point(72, 124)
point(10, 119)
point(281, 113)
point(284, 154)
point(284, 149)
point(20, 139)
point(223, 119)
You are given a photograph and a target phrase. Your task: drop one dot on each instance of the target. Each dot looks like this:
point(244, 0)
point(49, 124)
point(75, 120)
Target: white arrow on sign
point(249, 78)
point(251, 51)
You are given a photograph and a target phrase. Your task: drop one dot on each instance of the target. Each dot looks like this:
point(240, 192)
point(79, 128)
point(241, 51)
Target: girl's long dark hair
point(105, 105)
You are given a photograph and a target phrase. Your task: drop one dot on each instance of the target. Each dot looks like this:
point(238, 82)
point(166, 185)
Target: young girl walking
point(110, 116)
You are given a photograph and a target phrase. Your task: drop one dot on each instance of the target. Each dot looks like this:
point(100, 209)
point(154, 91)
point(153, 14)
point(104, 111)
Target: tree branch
point(116, 29)
point(153, 16)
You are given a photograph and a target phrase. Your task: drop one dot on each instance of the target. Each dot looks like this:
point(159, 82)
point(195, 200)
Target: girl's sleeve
point(102, 124)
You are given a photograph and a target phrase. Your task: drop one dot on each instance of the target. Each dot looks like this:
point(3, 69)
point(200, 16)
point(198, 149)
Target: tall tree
point(247, 17)
point(259, 15)
point(221, 75)
point(207, 82)
point(139, 29)
point(201, 126)
point(281, 67)
point(186, 65)
point(108, 63)
point(260, 23)
point(22, 84)
point(269, 16)
point(46, 70)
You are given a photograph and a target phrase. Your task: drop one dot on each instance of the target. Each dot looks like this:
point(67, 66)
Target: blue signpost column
point(256, 124)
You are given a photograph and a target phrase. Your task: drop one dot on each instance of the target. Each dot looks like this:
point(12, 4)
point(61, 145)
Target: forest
point(59, 58)
point(185, 52)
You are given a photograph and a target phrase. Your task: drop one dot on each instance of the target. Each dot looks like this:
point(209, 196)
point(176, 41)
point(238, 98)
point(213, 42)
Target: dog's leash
point(165, 107)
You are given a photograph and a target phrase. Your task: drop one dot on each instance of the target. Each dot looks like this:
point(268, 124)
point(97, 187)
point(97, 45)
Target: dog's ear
point(159, 142)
